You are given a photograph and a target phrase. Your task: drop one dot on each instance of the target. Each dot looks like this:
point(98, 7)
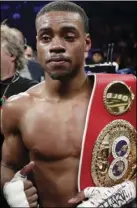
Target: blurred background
point(112, 29)
point(113, 34)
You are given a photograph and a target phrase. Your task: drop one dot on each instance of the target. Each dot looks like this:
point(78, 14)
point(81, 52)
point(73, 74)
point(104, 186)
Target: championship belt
point(108, 152)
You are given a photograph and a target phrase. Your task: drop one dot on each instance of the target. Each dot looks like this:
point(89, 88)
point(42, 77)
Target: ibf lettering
point(121, 97)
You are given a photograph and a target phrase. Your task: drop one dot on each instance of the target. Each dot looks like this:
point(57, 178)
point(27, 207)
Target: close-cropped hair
point(12, 41)
point(65, 6)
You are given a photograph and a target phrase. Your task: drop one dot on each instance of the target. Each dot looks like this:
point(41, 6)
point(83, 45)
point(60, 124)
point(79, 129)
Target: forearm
point(7, 173)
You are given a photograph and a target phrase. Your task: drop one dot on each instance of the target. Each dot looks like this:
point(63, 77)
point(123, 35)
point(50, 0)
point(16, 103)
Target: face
point(61, 43)
point(28, 53)
point(97, 58)
point(6, 60)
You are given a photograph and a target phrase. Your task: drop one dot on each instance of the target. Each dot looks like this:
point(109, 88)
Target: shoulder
point(11, 111)
point(17, 99)
point(23, 99)
point(16, 104)
point(37, 90)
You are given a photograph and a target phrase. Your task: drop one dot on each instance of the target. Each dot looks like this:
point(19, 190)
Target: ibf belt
point(108, 152)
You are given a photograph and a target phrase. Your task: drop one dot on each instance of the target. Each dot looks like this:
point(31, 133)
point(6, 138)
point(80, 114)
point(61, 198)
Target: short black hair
point(66, 6)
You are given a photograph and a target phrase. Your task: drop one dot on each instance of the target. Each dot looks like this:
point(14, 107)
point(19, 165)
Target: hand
point(115, 196)
point(29, 189)
point(20, 192)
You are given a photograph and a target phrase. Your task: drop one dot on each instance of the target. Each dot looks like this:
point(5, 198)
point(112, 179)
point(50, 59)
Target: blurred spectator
point(24, 72)
point(36, 71)
point(32, 69)
point(127, 64)
point(28, 52)
point(97, 57)
point(12, 62)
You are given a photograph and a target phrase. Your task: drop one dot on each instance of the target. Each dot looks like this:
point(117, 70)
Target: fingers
point(27, 184)
point(35, 204)
point(78, 198)
point(30, 192)
point(33, 199)
point(27, 168)
point(31, 195)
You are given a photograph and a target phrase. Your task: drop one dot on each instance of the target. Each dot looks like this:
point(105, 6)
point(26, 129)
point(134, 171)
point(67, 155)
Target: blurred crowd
point(115, 45)
point(112, 31)
point(124, 51)
point(114, 48)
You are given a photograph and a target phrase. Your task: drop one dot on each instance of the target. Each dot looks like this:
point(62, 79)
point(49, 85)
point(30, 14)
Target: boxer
point(45, 125)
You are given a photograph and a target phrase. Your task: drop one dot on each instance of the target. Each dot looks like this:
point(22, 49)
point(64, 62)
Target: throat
point(56, 90)
point(6, 76)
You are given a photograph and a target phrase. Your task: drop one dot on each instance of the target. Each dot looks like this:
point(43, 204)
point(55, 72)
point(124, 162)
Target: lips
point(58, 59)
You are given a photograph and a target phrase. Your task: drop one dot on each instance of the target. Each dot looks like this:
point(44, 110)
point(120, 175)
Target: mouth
point(58, 60)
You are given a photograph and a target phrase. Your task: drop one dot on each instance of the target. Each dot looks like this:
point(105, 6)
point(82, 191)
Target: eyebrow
point(64, 28)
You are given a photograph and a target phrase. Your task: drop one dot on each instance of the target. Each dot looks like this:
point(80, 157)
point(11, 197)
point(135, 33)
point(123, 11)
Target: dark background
point(109, 21)
point(104, 17)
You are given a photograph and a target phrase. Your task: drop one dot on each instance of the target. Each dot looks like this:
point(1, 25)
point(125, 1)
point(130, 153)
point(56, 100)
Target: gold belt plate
point(118, 97)
point(114, 154)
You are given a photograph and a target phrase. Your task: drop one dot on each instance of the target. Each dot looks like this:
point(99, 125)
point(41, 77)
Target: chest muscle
point(54, 131)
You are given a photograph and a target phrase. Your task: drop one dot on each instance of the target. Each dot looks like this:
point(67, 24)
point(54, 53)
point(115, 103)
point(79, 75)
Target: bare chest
point(54, 131)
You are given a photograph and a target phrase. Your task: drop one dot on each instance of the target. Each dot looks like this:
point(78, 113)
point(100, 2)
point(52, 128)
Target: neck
point(6, 76)
point(7, 72)
point(62, 89)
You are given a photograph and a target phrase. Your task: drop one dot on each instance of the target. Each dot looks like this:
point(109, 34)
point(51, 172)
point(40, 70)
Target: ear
point(87, 42)
point(37, 43)
point(12, 57)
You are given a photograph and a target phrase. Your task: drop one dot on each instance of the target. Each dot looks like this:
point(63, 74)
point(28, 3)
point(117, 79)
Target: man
point(35, 69)
point(32, 69)
point(47, 122)
point(12, 61)
point(28, 52)
point(97, 57)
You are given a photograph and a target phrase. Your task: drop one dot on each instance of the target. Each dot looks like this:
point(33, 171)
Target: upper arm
point(14, 153)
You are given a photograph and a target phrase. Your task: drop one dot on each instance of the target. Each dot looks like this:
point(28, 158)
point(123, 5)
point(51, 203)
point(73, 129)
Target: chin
point(64, 76)
point(59, 76)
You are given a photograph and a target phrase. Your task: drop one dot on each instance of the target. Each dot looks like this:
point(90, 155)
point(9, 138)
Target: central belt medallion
point(114, 154)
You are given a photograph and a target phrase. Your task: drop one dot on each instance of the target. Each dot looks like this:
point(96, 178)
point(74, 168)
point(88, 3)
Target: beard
point(64, 76)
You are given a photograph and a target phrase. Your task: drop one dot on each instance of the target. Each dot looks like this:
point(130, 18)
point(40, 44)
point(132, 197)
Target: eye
point(45, 38)
point(70, 37)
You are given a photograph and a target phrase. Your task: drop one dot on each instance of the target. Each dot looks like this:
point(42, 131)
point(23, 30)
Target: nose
point(57, 46)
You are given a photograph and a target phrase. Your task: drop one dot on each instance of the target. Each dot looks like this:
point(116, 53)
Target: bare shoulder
point(36, 90)
point(16, 104)
point(15, 101)
point(11, 110)
point(24, 98)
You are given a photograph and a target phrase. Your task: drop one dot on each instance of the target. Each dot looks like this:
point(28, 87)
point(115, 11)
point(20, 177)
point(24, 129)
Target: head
point(28, 52)
point(97, 57)
point(12, 50)
point(62, 39)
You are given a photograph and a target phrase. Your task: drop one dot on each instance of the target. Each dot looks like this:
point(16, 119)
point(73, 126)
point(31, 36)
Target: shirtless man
point(46, 124)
